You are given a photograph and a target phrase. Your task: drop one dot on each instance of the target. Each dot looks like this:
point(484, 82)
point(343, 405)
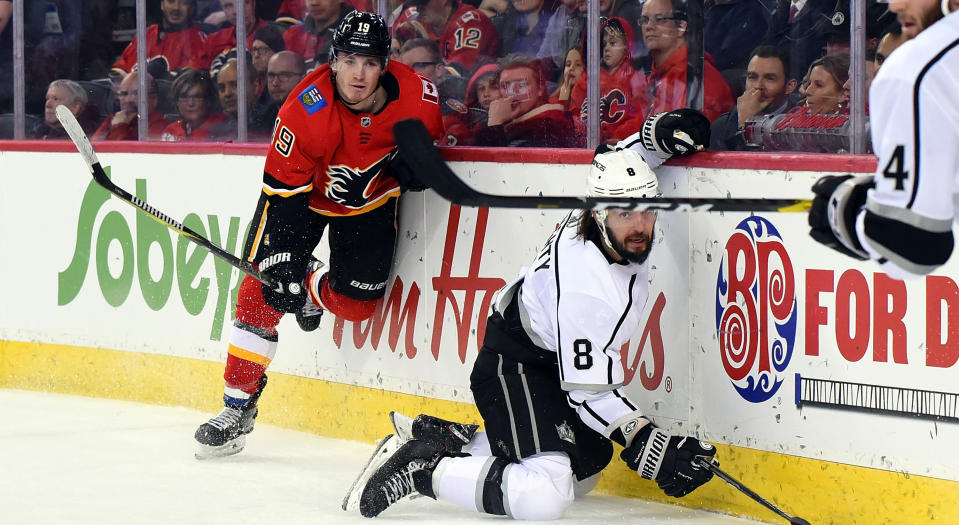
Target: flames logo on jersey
point(352, 187)
point(756, 312)
point(612, 107)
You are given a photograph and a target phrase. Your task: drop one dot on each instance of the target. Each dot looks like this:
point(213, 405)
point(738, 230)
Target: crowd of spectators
point(509, 72)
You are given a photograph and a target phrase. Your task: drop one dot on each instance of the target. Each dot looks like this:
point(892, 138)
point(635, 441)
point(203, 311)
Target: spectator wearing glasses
point(768, 92)
point(194, 94)
point(224, 40)
point(283, 73)
point(267, 41)
point(523, 116)
point(622, 89)
point(123, 125)
point(423, 55)
point(312, 38)
point(664, 31)
point(172, 45)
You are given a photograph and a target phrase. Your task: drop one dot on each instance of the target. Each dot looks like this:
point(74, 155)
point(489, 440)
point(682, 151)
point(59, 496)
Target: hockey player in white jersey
point(548, 380)
point(902, 216)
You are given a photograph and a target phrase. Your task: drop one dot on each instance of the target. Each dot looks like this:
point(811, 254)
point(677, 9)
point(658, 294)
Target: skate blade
point(402, 425)
point(383, 452)
point(234, 446)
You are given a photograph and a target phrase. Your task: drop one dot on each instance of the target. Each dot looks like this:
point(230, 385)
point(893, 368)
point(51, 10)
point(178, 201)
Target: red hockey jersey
point(341, 157)
point(180, 49)
point(469, 39)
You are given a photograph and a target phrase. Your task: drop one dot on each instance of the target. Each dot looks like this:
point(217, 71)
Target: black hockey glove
point(657, 455)
point(288, 271)
point(677, 132)
point(832, 218)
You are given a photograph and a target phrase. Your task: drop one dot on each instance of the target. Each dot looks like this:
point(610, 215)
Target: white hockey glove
point(655, 454)
point(678, 132)
point(832, 218)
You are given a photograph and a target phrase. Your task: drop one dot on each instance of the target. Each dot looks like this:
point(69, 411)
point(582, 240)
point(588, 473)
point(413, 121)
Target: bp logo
point(756, 309)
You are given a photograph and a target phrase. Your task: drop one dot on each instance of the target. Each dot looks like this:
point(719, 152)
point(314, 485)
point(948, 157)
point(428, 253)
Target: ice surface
point(69, 459)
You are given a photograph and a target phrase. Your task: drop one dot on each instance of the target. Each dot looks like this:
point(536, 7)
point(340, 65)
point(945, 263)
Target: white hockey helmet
point(621, 173)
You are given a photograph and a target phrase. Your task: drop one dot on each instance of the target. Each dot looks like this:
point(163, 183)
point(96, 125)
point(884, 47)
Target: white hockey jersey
point(573, 301)
point(914, 104)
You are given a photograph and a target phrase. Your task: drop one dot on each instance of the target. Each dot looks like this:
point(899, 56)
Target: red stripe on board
point(831, 163)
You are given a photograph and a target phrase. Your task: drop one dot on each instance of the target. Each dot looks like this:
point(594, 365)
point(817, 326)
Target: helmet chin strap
point(601, 222)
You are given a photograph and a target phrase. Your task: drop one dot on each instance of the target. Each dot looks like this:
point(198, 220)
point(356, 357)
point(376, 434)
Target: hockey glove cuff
point(655, 454)
point(832, 217)
point(677, 132)
point(289, 294)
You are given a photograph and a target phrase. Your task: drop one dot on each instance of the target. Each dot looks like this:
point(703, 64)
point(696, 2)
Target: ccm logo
point(368, 286)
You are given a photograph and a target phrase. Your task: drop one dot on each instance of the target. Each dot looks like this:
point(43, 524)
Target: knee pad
point(539, 487)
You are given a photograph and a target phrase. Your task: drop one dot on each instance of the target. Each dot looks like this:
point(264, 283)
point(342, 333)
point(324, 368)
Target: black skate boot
point(447, 435)
point(409, 470)
point(309, 317)
point(225, 433)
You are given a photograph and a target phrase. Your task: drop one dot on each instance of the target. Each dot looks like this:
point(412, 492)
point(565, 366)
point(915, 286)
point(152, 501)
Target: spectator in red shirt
point(313, 37)
point(224, 40)
point(622, 89)
point(664, 32)
point(194, 94)
point(524, 117)
point(172, 45)
point(123, 125)
point(466, 36)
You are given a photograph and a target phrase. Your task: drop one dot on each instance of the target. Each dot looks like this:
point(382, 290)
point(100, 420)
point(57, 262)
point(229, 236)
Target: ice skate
point(386, 448)
point(225, 433)
point(409, 470)
point(448, 435)
point(309, 317)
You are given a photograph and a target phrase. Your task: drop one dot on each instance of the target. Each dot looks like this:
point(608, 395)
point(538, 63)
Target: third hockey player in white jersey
point(548, 380)
point(903, 216)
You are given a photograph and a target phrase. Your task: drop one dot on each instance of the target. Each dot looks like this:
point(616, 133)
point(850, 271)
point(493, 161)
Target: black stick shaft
point(417, 149)
point(83, 145)
point(708, 465)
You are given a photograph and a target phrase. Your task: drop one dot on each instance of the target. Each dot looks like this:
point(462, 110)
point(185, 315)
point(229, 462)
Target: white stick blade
point(72, 127)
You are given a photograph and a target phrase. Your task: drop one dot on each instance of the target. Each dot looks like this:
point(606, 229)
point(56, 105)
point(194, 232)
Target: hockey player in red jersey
point(466, 36)
point(332, 163)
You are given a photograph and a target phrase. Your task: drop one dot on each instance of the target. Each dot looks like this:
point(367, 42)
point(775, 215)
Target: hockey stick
point(80, 140)
point(714, 468)
point(416, 148)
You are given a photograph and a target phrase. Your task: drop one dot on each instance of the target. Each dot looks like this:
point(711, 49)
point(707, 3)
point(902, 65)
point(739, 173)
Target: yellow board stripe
point(381, 200)
point(236, 351)
point(819, 491)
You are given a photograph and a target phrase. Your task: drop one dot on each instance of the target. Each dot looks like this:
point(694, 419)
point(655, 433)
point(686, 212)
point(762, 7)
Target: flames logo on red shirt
point(352, 187)
point(756, 312)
